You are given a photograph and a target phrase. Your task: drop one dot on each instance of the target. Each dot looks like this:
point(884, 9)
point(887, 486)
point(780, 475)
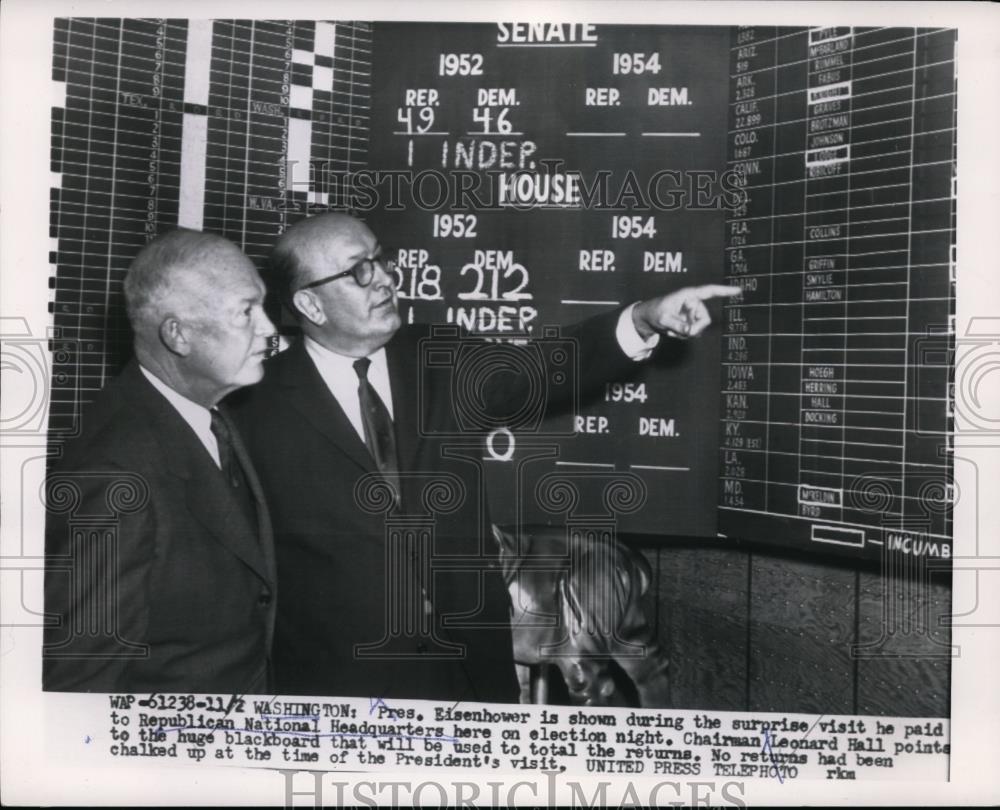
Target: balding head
point(195, 304)
point(314, 265)
point(304, 252)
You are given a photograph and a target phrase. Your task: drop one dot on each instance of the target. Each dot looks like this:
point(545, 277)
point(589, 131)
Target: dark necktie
point(379, 435)
point(381, 441)
point(232, 469)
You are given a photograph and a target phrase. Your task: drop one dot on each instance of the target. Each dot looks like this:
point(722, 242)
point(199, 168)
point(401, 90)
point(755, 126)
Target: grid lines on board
point(227, 126)
point(836, 412)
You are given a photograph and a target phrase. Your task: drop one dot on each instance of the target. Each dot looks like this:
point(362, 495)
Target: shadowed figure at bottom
point(577, 606)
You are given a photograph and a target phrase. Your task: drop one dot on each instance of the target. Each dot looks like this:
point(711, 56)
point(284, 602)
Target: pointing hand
point(680, 314)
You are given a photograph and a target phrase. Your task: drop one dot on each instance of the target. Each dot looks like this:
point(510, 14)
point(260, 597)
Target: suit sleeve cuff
point(632, 343)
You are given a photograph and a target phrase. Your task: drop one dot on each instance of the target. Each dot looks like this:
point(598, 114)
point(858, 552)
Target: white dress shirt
point(197, 416)
point(337, 370)
point(632, 343)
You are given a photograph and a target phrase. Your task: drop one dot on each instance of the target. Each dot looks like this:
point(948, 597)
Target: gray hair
point(155, 272)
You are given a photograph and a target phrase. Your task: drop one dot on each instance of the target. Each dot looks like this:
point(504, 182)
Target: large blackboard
point(813, 167)
point(831, 431)
point(634, 116)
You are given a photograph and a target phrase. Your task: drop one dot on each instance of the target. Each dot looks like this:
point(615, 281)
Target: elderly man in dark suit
point(160, 563)
point(370, 606)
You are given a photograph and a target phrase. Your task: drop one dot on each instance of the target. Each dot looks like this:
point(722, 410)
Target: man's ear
point(306, 304)
point(174, 335)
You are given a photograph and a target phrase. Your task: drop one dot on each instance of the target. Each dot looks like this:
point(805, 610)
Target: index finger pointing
point(708, 291)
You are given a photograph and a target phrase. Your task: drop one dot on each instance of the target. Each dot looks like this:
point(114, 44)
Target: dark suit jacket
point(339, 567)
point(156, 578)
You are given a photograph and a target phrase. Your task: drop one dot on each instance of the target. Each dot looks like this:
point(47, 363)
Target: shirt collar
point(342, 363)
point(197, 416)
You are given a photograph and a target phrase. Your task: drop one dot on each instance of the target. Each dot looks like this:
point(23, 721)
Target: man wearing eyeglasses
point(364, 611)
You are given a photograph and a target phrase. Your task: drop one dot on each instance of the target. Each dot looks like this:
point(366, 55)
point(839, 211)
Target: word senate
point(545, 32)
point(351, 734)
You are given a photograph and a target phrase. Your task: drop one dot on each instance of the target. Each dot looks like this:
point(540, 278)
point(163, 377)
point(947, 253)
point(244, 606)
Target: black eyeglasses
point(363, 272)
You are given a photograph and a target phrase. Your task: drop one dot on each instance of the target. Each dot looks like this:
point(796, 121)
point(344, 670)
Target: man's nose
point(264, 326)
point(382, 275)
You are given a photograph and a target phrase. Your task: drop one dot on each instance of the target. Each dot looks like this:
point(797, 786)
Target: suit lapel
point(214, 506)
point(208, 497)
point(320, 408)
point(265, 535)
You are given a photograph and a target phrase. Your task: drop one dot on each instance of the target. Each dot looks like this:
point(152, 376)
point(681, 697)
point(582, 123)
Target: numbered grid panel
point(836, 408)
point(216, 125)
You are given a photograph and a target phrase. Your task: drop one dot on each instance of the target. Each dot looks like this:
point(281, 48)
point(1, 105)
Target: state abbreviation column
point(749, 232)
